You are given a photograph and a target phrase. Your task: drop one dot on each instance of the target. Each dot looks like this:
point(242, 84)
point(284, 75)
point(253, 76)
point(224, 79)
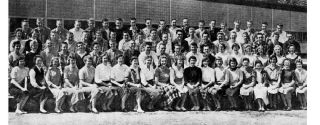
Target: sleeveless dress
point(274, 77)
point(178, 79)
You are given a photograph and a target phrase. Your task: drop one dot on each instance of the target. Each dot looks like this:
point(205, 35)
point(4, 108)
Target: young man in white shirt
point(103, 80)
point(193, 52)
point(77, 31)
point(237, 30)
point(119, 75)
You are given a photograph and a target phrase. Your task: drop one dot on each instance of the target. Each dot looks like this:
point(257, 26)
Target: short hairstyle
point(36, 57)
point(194, 44)
point(220, 33)
point(59, 20)
point(299, 61)
point(192, 57)
point(265, 23)
point(147, 19)
point(95, 43)
point(223, 45)
point(245, 59)
point(281, 25)
point(78, 43)
point(18, 30)
point(235, 45)
point(133, 18)
point(71, 56)
point(218, 58)
point(90, 19)
point(205, 32)
point(148, 57)
point(233, 60)
point(205, 58)
point(179, 30)
point(237, 21)
point(25, 21)
point(40, 19)
point(133, 58)
point(257, 62)
point(173, 19)
point(119, 19)
point(105, 20)
point(87, 58)
point(16, 42)
point(64, 43)
point(249, 21)
point(119, 56)
point(202, 21)
point(273, 57)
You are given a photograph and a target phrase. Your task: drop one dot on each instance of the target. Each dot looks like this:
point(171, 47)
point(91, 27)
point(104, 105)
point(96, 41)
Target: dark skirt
point(17, 93)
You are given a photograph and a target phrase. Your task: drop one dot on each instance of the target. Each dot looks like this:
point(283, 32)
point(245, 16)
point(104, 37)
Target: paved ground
point(297, 117)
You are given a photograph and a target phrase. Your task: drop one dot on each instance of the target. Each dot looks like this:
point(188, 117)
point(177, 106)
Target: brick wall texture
point(156, 10)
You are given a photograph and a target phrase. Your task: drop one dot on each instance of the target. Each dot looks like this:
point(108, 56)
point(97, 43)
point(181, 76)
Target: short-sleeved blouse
point(72, 74)
point(220, 74)
point(301, 76)
point(87, 74)
point(273, 73)
point(207, 74)
point(19, 74)
point(163, 73)
point(287, 76)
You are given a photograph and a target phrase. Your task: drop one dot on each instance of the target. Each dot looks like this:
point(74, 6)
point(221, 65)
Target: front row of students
point(164, 85)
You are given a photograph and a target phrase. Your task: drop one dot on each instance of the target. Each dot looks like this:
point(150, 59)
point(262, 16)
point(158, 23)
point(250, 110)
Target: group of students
point(164, 64)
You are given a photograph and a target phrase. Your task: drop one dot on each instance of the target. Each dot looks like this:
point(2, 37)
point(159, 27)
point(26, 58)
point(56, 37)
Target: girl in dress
point(71, 83)
point(208, 79)
point(273, 71)
point(235, 81)
point(222, 79)
point(292, 56)
point(288, 78)
point(221, 53)
point(87, 85)
point(301, 90)
point(176, 74)
point(246, 91)
point(279, 55)
point(54, 81)
point(162, 79)
point(18, 86)
point(260, 88)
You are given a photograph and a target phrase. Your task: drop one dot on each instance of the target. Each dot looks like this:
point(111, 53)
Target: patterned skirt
point(169, 94)
point(17, 93)
point(287, 89)
point(273, 89)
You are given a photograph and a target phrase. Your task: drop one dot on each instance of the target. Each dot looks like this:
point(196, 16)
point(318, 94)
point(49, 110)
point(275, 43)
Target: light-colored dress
point(274, 76)
point(72, 74)
point(55, 77)
point(260, 90)
point(301, 80)
point(177, 76)
point(247, 72)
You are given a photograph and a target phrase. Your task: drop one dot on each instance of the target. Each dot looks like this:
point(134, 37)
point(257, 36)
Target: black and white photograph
point(156, 62)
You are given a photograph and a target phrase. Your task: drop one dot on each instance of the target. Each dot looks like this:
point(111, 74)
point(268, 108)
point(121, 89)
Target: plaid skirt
point(169, 94)
point(17, 93)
